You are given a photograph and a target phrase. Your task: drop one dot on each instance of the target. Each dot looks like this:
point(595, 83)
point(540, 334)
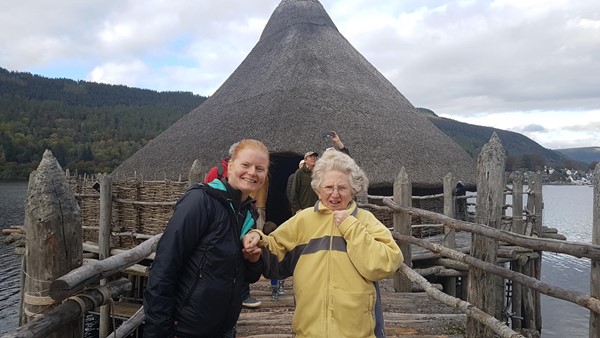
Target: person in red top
point(219, 171)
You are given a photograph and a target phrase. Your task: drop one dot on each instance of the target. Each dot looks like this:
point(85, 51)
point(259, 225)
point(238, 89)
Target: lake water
point(567, 208)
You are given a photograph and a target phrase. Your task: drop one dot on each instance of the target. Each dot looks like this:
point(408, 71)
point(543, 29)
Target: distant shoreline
point(566, 183)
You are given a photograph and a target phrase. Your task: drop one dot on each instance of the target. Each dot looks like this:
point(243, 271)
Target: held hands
point(251, 251)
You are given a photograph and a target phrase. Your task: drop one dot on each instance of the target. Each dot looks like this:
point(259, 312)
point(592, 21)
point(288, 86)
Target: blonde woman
point(196, 280)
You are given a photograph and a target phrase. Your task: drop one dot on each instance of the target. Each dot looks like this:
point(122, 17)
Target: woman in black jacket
point(195, 283)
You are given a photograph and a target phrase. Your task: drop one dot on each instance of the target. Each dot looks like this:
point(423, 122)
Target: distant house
point(303, 78)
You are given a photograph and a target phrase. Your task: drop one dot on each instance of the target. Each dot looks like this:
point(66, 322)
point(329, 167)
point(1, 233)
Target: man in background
point(302, 193)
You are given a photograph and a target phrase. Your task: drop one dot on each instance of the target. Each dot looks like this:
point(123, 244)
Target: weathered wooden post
point(54, 239)
point(196, 175)
point(529, 310)
point(595, 272)
point(538, 205)
point(490, 191)
point(402, 224)
point(449, 233)
point(104, 243)
point(517, 227)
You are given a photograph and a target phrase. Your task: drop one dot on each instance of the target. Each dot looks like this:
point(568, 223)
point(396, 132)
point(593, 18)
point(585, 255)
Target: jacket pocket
point(352, 313)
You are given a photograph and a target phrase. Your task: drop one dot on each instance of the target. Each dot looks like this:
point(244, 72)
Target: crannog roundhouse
point(301, 79)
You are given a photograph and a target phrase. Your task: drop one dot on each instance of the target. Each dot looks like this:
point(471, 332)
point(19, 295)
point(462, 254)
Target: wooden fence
point(482, 271)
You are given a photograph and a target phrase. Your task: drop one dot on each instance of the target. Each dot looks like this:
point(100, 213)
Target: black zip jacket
point(195, 283)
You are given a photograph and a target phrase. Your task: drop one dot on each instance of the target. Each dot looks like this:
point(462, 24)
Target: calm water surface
point(12, 199)
point(567, 208)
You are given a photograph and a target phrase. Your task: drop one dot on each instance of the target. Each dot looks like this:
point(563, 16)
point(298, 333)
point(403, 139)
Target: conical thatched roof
point(303, 78)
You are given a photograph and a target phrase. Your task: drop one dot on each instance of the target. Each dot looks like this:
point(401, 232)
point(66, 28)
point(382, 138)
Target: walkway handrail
point(489, 321)
point(77, 279)
point(575, 297)
point(541, 244)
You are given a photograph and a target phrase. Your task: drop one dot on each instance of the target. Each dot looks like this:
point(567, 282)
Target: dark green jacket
point(303, 196)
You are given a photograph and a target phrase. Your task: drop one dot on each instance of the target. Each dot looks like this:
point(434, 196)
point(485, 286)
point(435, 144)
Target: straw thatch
point(303, 78)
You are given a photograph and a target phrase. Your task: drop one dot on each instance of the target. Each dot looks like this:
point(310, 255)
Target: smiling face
point(335, 191)
point(248, 171)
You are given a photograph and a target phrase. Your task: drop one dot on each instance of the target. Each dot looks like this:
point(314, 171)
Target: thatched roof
point(303, 78)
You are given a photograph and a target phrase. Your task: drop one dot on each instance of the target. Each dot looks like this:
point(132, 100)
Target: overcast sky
point(530, 66)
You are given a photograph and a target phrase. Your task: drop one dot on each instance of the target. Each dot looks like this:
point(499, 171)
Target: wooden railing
point(487, 232)
point(483, 319)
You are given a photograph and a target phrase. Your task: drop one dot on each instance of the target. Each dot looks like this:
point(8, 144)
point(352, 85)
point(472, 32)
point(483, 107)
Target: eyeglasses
point(340, 190)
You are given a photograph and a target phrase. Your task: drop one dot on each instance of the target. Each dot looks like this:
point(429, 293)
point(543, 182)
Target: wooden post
point(196, 175)
point(490, 191)
point(538, 205)
point(104, 243)
point(517, 205)
point(517, 227)
point(529, 226)
point(402, 224)
point(54, 239)
point(449, 233)
point(595, 272)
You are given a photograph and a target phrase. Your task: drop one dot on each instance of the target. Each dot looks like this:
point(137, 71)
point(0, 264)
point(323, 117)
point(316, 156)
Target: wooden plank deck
point(406, 314)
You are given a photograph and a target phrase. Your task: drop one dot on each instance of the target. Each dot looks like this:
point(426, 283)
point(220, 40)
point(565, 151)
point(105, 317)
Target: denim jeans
point(245, 292)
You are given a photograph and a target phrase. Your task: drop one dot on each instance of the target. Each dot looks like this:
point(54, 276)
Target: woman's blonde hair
point(336, 160)
point(237, 147)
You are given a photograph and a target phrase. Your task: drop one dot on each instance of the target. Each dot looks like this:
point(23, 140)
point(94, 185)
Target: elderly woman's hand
point(339, 216)
point(250, 241)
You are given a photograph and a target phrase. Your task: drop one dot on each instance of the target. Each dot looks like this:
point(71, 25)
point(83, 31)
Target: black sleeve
point(345, 151)
point(274, 269)
point(253, 270)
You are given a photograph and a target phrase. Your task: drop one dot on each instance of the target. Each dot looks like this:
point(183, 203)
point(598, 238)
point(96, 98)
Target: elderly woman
point(336, 252)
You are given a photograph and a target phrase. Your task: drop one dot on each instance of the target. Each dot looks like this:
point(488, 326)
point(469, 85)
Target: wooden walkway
point(406, 314)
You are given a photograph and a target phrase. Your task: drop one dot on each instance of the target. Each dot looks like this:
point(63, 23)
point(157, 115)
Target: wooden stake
point(54, 239)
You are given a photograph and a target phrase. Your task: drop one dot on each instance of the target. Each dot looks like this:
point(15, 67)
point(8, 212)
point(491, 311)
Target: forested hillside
point(89, 127)
point(585, 154)
point(521, 151)
point(92, 127)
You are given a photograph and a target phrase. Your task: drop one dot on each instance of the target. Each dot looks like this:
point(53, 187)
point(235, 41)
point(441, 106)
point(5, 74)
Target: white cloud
point(483, 61)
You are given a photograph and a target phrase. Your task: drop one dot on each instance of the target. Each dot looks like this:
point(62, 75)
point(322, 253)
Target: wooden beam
point(77, 279)
point(575, 297)
point(575, 249)
point(75, 307)
point(473, 312)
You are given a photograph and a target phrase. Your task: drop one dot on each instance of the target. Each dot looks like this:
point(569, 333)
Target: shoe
point(251, 302)
point(281, 290)
point(275, 292)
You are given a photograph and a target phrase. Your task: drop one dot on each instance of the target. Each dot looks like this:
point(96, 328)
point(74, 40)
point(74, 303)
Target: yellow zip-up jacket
point(334, 267)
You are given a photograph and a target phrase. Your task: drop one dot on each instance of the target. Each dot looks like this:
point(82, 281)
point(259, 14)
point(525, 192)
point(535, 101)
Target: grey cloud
point(532, 128)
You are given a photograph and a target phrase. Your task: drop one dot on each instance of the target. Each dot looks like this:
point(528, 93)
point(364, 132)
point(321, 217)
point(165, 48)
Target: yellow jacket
point(334, 269)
